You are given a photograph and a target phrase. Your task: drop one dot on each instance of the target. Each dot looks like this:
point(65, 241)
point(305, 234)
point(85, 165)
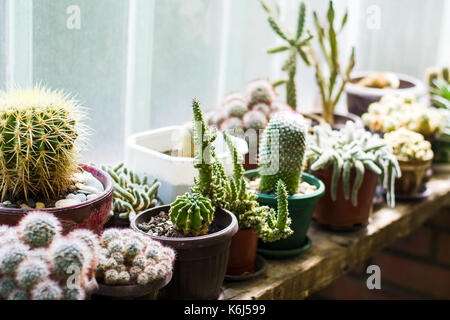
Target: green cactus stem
point(192, 214)
point(40, 131)
point(38, 229)
point(282, 150)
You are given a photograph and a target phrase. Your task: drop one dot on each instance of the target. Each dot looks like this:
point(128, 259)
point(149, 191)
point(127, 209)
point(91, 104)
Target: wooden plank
point(335, 254)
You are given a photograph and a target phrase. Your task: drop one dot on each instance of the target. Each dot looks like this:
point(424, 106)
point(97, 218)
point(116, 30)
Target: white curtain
point(138, 63)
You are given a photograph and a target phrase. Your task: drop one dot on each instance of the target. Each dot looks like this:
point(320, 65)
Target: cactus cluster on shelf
point(409, 145)
point(353, 148)
point(40, 132)
point(129, 258)
point(132, 193)
point(296, 44)
point(438, 81)
point(38, 263)
point(395, 111)
point(282, 150)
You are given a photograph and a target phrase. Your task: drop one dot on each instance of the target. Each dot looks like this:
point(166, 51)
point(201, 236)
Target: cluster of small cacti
point(438, 81)
point(129, 258)
point(39, 133)
point(251, 110)
point(403, 111)
point(38, 263)
point(282, 150)
point(353, 148)
point(131, 193)
point(296, 44)
point(409, 145)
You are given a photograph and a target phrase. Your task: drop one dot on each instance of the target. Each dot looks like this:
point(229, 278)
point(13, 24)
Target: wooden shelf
point(335, 254)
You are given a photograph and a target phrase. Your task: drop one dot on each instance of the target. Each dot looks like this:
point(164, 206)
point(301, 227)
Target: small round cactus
point(7, 285)
point(124, 278)
point(192, 214)
point(31, 271)
point(108, 236)
point(38, 229)
point(143, 279)
point(231, 124)
point(47, 290)
point(76, 293)
point(18, 294)
point(11, 256)
point(262, 107)
point(132, 248)
point(260, 91)
point(235, 108)
point(111, 277)
point(116, 246)
point(67, 255)
point(255, 120)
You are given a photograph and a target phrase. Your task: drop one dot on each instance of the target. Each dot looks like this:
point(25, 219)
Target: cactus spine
point(282, 150)
point(38, 229)
point(192, 214)
point(39, 132)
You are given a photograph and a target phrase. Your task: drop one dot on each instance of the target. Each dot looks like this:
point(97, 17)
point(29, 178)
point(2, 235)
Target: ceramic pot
point(412, 176)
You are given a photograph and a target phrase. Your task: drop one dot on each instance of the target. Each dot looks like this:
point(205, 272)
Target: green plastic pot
point(301, 209)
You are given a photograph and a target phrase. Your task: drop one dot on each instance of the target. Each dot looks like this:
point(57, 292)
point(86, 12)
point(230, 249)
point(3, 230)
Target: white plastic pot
point(359, 98)
point(146, 153)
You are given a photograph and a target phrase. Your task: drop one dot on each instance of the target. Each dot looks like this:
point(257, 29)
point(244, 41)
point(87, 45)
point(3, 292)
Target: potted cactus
point(282, 150)
point(132, 265)
point(414, 155)
point(40, 135)
point(38, 263)
point(349, 162)
point(196, 225)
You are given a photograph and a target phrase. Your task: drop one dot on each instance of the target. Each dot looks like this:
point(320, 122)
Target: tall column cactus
point(282, 150)
point(295, 44)
point(39, 131)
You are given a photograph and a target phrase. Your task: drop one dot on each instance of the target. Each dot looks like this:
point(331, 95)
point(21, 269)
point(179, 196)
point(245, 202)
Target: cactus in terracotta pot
point(39, 134)
point(282, 150)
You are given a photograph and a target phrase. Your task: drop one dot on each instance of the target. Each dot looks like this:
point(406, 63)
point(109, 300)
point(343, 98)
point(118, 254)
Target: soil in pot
point(301, 208)
point(341, 214)
point(201, 262)
point(87, 205)
point(242, 253)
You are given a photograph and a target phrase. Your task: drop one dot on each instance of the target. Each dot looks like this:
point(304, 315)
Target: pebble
point(91, 197)
point(79, 196)
point(25, 206)
point(40, 205)
point(87, 189)
point(66, 203)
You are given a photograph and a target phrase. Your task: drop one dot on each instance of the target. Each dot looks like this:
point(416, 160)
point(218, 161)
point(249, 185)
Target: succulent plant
point(68, 254)
point(47, 290)
point(31, 271)
point(11, 256)
point(409, 145)
point(192, 214)
point(18, 294)
point(295, 43)
point(255, 120)
point(259, 91)
point(439, 87)
point(131, 193)
point(282, 150)
point(38, 229)
point(74, 293)
point(127, 266)
point(7, 285)
point(39, 133)
point(353, 148)
point(235, 108)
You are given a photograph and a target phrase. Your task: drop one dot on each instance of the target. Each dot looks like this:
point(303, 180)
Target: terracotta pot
point(201, 262)
point(242, 253)
point(359, 98)
point(90, 215)
point(412, 176)
point(341, 214)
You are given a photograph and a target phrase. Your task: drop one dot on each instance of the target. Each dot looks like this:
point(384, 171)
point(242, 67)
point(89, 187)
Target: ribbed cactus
point(295, 44)
point(282, 150)
point(39, 132)
point(38, 229)
point(192, 214)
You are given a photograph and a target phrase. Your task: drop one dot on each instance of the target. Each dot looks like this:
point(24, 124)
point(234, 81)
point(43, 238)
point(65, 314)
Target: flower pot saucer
point(280, 254)
point(260, 269)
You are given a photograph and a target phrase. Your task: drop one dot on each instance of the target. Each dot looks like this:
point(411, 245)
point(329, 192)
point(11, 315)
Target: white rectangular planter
point(145, 154)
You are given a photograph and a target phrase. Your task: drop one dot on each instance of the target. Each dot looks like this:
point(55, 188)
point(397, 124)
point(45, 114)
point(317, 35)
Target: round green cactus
point(192, 214)
point(282, 151)
point(7, 285)
point(132, 248)
point(38, 229)
point(124, 278)
point(11, 256)
point(109, 235)
point(111, 277)
point(260, 91)
point(47, 290)
point(75, 293)
point(31, 271)
point(68, 254)
point(235, 108)
point(19, 294)
point(39, 132)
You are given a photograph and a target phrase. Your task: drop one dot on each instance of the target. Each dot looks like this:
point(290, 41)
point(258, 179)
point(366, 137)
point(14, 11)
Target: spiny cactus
point(259, 91)
point(74, 293)
point(235, 108)
point(330, 88)
point(353, 148)
point(38, 229)
point(68, 254)
point(31, 271)
point(282, 149)
point(295, 44)
point(39, 133)
point(131, 193)
point(192, 214)
point(109, 235)
point(137, 254)
point(47, 290)
point(7, 285)
point(18, 295)
point(255, 120)
point(11, 256)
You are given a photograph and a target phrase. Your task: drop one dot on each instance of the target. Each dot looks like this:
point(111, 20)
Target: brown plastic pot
point(341, 214)
point(242, 253)
point(90, 215)
point(201, 262)
point(412, 176)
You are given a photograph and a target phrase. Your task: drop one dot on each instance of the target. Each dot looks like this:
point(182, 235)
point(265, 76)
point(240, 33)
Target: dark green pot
point(301, 209)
